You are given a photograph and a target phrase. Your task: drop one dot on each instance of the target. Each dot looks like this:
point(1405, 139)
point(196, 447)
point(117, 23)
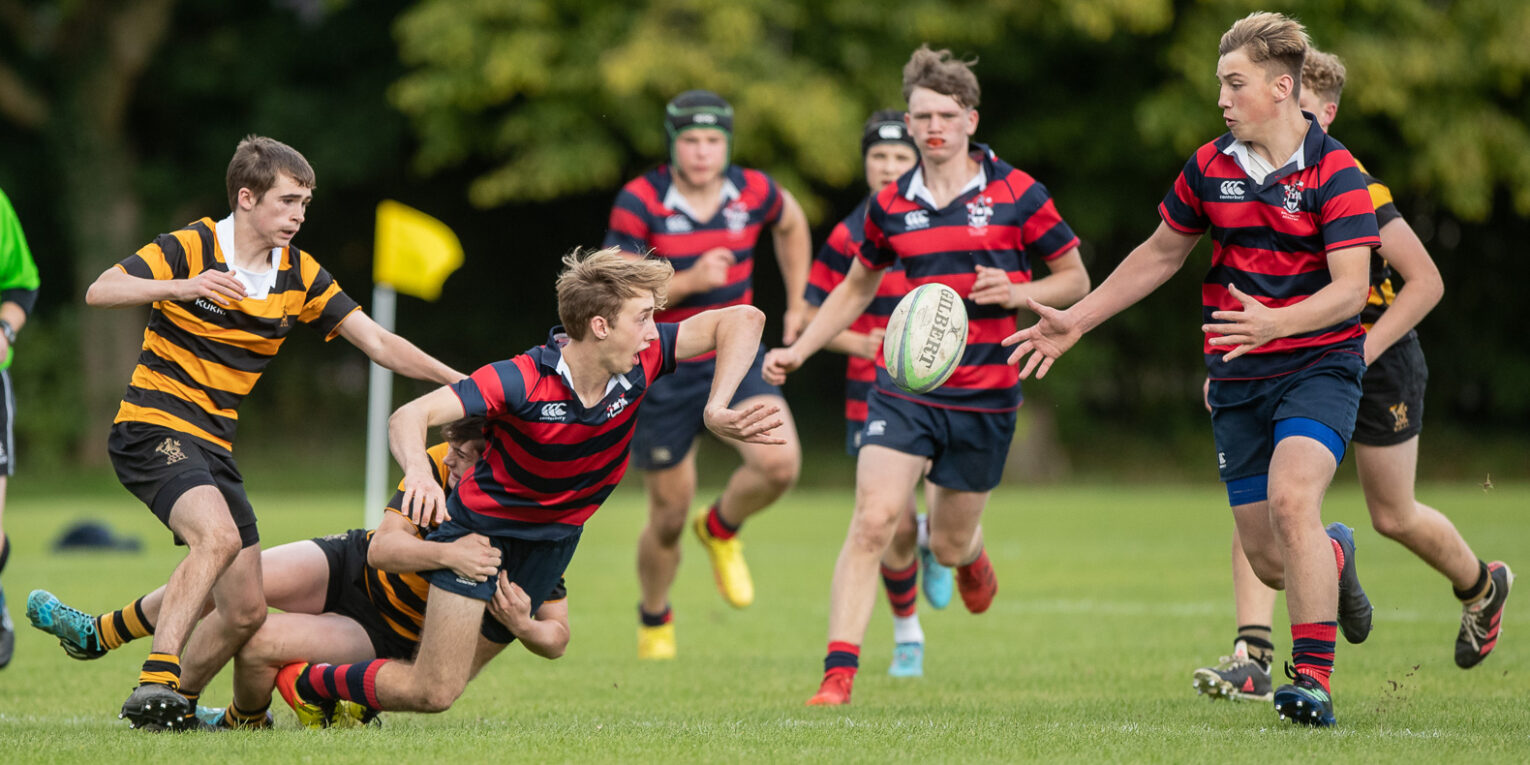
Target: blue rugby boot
point(1354, 607)
point(75, 629)
point(1304, 701)
point(908, 660)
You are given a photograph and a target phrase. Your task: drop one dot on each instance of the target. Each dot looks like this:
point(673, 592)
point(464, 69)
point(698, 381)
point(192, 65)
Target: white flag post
point(379, 406)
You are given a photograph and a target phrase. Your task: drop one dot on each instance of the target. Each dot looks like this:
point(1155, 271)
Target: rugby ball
point(926, 337)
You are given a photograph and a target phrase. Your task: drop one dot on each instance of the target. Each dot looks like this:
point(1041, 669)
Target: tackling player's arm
point(1421, 291)
point(394, 352)
point(116, 288)
point(397, 548)
point(424, 501)
point(734, 332)
point(794, 256)
point(1148, 266)
point(546, 634)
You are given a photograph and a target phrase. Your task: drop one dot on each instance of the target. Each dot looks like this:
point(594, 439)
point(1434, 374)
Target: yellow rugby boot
point(728, 566)
point(656, 642)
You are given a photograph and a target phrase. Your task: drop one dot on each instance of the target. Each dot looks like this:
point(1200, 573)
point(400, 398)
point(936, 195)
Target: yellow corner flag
point(415, 252)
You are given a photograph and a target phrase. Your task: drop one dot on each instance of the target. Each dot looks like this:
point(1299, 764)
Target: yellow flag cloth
point(415, 252)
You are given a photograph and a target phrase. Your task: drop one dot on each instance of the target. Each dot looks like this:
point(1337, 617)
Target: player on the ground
point(346, 597)
point(705, 215)
point(18, 292)
point(224, 295)
point(888, 151)
point(560, 421)
point(1292, 231)
point(964, 218)
point(1387, 427)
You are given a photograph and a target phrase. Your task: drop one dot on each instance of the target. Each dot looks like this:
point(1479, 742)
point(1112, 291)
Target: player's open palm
point(780, 362)
point(752, 425)
point(472, 557)
point(1246, 329)
point(220, 287)
point(1043, 342)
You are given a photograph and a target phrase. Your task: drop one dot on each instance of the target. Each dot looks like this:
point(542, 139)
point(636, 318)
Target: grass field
point(1108, 599)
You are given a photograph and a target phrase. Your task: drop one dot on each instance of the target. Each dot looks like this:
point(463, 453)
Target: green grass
point(1108, 599)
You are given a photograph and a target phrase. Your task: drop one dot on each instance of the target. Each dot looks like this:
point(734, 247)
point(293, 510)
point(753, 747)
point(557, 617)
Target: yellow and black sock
point(234, 717)
point(163, 669)
point(1257, 637)
point(125, 624)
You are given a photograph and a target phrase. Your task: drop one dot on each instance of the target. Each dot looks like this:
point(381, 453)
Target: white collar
point(568, 378)
point(674, 200)
point(256, 285)
point(1255, 166)
point(917, 190)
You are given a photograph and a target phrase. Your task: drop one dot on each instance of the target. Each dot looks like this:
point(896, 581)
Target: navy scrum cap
point(886, 127)
point(697, 109)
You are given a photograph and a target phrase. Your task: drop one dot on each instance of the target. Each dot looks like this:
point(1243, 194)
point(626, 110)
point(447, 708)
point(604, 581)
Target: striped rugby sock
point(1312, 648)
point(719, 528)
point(123, 625)
point(842, 659)
point(902, 589)
point(342, 682)
point(162, 669)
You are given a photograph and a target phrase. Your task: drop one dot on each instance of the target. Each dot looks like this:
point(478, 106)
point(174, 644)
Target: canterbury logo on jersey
point(1232, 189)
point(554, 412)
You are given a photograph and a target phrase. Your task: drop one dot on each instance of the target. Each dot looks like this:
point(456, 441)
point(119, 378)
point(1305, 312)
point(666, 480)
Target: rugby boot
point(1482, 622)
point(834, 691)
point(1303, 701)
point(75, 629)
point(155, 707)
point(977, 584)
point(317, 713)
point(1354, 607)
point(656, 642)
point(1236, 678)
point(908, 660)
point(937, 581)
point(728, 566)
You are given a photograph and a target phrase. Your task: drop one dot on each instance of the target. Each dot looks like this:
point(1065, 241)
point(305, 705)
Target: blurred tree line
point(515, 122)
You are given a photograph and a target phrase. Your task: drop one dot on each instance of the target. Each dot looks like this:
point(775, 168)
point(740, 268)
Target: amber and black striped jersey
point(1382, 293)
point(400, 598)
point(200, 359)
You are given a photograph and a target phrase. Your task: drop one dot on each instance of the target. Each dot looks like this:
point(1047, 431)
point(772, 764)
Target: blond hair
point(258, 161)
point(1323, 73)
point(597, 282)
point(936, 70)
point(1272, 40)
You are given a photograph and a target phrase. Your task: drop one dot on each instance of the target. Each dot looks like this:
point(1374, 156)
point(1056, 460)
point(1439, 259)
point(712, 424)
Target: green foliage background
point(515, 122)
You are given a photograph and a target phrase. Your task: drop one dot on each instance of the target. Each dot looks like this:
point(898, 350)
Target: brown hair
point(936, 70)
point(464, 430)
point(1323, 73)
point(1270, 37)
point(597, 282)
point(256, 164)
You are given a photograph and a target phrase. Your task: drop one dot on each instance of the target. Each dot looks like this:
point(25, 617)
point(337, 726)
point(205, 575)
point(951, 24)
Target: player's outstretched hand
point(992, 287)
point(472, 557)
point(220, 287)
point(1245, 329)
point(511, 605)
point(752, 425)
point(1050, 337)
point(779, 362)
point(424, 502)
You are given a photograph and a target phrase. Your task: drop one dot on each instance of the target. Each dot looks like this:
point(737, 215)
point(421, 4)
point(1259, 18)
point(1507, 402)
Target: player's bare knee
point(781, 470)
point(872, 532)
point(438, 697)
point(1390, 523)
point(950, 552)
point(246, 621)
point(666, 527)
point(221, 545)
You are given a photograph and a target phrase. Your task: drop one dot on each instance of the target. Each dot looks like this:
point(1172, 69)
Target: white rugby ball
point(926, 337)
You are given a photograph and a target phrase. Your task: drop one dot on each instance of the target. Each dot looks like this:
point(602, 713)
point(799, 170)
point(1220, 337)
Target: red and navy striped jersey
point(1002, 220)
point(550, 461)
point(829, 269)
point(1382, 292)
point(1272, 239)
point(200, 359)
point(645, 217)
point(400, 597)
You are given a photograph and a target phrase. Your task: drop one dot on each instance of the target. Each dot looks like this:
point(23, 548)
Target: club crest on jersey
point(554, 412)
point(616, 407)
point(979, 211)
point(1293, 203)
point(736, 214)
point(677, 224)
point(916, 220)
point(171, 448)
